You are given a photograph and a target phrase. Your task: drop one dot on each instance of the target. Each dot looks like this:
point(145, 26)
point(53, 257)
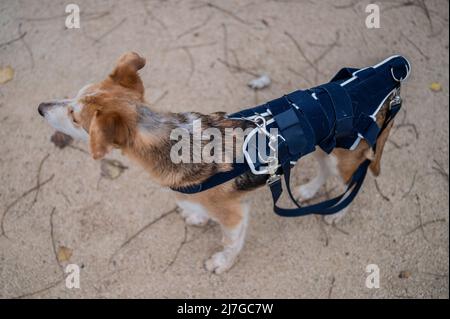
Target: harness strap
point(219, 178)
point(342, 106)
point(368, 128)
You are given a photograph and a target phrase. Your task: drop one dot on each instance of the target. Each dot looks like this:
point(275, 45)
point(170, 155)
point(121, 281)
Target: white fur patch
point(193, 213)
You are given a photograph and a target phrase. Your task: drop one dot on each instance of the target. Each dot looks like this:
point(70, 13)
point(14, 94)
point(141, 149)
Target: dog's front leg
point(233, 219)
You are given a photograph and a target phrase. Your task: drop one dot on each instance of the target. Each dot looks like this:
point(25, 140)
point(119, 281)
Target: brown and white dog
point(114, 114)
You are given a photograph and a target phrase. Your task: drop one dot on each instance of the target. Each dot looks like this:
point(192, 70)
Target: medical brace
point(337, 114)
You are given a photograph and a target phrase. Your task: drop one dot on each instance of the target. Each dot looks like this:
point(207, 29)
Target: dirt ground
point(200, 57)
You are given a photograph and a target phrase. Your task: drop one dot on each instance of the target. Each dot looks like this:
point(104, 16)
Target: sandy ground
point(108, 225)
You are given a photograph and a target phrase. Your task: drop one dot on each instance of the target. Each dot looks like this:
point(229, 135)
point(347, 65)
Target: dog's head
point(103, 113)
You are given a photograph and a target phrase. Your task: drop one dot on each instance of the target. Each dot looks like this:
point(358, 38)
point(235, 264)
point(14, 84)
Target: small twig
point(236, 59)
point(191, 61)
point(421, 224)
point(65, 198)
point(190, 30)
point(238, 68)
point(98, 182)
point(141, 230)
point(415, 46)
point(440, 220)
point(13, 203)
point(300, 75)
point(380, 192)
point(95, 15)
point(38, 181)
point(346, 6)
point(183, 242)
point(13, 40)
point(411, 186)
point(162, 96)
point(330, 291)
point(433, 274)
point(225, 11)
point(340, 229)
point(302, 53)
point(396, 145)
point(27, 47)
point(421, 4)
point(52, 236)
point(151, 15)
point(78, 149)
point(440, 169)
point(412, 125)
point(103, 35)
point(329, 48)
point(323, 230)
point(30, 294)
point(194, 46)
point(225, 42)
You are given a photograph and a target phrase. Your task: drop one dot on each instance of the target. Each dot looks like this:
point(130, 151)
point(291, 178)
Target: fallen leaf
point(436, 87)
point(404, 274)
point(111, 169)
point(60, 139)
point(64, 253)
point(6, 74)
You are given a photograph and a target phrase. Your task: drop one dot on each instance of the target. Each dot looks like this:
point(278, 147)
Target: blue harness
point(336, 114)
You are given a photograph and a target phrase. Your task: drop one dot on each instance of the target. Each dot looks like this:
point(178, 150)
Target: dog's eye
point(72, 116)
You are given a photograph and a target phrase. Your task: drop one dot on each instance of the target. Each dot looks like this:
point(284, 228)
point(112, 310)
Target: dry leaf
point(6, 74)
point(436, 87)
point(64, 253)
point(404, 274)
point(60, 139)
point(111, 169)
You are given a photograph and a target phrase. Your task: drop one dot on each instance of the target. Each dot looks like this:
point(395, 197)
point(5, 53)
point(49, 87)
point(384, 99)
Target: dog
point(114, 114)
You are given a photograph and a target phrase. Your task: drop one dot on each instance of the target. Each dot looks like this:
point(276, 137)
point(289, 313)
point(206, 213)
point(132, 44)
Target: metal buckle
point(408, 71)
point(271, 161)
point(396, 100)
point(273, 178)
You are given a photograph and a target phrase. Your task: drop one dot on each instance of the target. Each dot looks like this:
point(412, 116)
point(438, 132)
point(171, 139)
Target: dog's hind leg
point(327, 168)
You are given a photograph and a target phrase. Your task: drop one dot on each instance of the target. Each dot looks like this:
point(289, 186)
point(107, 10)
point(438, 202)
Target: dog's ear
point(107, 130)
point(126, 71)
point(381, 140)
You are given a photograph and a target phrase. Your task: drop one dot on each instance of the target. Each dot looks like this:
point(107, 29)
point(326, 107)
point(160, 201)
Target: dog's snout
point(42, 107)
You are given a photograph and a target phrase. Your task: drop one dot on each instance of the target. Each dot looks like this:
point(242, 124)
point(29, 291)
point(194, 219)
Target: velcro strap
point(298, 136)
point(368, 128)
point(342, 105)
point(279, 105)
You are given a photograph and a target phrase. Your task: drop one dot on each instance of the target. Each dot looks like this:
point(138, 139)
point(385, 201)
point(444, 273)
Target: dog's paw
point(219, 262)
point(306, 192)
point(334, 218)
